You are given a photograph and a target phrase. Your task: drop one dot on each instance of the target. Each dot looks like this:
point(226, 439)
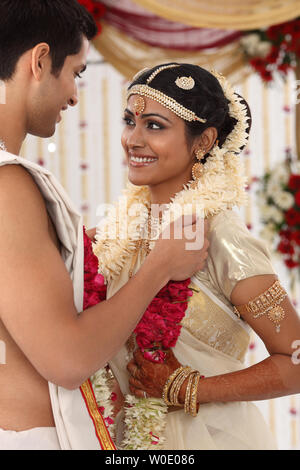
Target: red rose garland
point(94, 286)
point(160, 327)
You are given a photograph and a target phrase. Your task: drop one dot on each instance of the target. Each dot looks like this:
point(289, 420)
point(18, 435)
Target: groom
point(50, 349)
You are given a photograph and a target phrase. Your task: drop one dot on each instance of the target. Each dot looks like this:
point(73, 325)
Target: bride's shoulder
point(227, 219)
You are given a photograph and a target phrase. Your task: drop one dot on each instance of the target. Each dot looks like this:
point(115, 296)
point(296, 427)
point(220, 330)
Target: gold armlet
point(267, 303)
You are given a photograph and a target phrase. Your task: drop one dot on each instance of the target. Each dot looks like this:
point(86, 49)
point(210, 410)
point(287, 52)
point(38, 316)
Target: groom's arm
point(37, 298)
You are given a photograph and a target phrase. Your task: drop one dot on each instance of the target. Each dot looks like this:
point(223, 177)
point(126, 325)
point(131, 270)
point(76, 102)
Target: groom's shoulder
point(19, 191)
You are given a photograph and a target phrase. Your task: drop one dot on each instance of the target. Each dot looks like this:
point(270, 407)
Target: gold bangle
point(165, 393)
point(193, 400)
point(177, 384)
point(188, 394)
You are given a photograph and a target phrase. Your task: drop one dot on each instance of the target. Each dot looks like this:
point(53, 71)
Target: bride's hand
point(148, 378)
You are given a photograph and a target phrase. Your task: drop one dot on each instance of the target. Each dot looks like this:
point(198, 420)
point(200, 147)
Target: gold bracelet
point(188, 393)
point(172, 377)
point(177, 384)
point(193, 400)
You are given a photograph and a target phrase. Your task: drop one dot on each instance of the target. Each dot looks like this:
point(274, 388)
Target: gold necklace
point(144, 243)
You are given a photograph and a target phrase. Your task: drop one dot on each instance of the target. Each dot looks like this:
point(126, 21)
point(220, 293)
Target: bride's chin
point(138, 180)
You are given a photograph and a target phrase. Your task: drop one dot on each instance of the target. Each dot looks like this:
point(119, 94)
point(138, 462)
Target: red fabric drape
point(158, 32)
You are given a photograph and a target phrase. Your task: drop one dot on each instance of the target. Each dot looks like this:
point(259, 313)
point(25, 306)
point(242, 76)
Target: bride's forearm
point(274, 377)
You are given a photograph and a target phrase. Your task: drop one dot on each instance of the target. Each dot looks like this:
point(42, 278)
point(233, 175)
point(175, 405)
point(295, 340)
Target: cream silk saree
point(214, 341)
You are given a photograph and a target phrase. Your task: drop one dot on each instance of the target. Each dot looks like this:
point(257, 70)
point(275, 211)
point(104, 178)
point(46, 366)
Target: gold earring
point(198, 168)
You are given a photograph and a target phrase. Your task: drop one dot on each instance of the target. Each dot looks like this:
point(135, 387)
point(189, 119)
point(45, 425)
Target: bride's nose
point(136, 138)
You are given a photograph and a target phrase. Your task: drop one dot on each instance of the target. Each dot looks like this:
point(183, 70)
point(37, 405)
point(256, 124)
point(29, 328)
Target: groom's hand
point(183, 248)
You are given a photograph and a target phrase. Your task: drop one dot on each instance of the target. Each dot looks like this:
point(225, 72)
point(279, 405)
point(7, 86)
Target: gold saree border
point(101, 430)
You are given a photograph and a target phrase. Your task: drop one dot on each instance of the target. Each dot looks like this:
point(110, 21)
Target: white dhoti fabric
point(31, 439)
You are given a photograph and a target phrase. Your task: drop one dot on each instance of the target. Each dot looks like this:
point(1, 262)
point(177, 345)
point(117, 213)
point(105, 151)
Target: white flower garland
point(221, 187)
point(145, 420)
point(102, 390)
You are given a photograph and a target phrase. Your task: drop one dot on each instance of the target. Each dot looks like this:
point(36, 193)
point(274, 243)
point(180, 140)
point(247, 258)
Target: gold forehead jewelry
point(164, 100)
point(139, 104)
point(161, 98)
point(186, 83)
point(160, 69)
point(138, 74)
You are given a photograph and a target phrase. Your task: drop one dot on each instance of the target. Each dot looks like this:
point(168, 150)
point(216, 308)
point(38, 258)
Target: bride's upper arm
point(279, 336)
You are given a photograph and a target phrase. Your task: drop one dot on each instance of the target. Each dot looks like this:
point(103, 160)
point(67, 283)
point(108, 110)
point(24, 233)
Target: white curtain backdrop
point(86, 156)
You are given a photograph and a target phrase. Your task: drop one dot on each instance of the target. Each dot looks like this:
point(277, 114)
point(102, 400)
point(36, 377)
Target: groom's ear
point(40, 60)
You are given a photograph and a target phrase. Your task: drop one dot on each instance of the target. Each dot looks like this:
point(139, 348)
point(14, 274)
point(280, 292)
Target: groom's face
point(55, 93)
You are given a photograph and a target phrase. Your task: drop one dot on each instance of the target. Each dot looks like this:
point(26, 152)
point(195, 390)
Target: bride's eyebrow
point(148, 115)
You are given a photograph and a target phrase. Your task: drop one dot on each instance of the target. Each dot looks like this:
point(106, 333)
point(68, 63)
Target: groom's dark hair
point(62, 24)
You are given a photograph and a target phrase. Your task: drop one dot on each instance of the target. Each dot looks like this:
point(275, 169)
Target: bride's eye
point(127, 121)
point(154, 125)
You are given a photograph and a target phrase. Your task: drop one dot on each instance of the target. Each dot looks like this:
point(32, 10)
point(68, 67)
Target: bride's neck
point(161, 194)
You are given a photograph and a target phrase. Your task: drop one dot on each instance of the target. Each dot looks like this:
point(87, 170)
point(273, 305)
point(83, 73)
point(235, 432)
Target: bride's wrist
point(160, 268)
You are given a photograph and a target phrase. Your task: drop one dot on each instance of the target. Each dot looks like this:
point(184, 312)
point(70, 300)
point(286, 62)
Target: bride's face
point(155, 145)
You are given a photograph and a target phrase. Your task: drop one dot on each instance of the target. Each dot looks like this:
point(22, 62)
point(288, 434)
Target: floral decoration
point(275, 49)
point(97, 10)
point(94, 284)
point(157, 331)
point(160, 326)
point(279, 199)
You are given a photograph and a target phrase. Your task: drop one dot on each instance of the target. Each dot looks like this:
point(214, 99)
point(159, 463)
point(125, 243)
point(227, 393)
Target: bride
point(184, 131)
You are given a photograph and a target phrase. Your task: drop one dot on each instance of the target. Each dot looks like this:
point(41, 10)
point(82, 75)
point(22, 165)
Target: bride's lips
point(138, 161)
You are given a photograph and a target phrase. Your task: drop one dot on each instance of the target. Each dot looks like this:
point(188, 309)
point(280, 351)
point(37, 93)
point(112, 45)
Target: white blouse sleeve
point(234, 254)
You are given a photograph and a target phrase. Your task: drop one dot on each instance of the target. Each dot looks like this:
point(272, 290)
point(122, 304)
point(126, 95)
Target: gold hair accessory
point(160, 69)
point(266, 303)
point(164, 100)
point(186, 83)
point(139, 105)
point(137, 75)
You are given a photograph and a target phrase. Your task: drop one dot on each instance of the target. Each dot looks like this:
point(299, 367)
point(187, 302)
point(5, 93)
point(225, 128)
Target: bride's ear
point(206, 140)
